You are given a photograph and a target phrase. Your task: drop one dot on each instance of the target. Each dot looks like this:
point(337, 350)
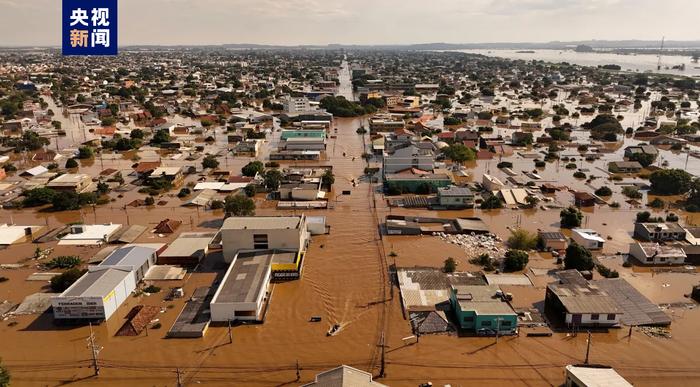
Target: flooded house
point(659, 231)
point(652, 253)
point(482, 310)
point(99, 292)
point(587, 238)
point(574, 302)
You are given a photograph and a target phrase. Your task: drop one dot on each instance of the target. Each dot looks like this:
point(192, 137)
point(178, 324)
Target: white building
point(409, 157)
point(587, 238)
point(97, 294)
point(586, 376)
point(243, 290)
point(263, 233)
point(652, 253)
point(295, 104)
point(90, 234)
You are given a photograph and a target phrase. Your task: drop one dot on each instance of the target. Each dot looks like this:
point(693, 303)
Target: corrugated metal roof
point(96, 283)
point(129, 256)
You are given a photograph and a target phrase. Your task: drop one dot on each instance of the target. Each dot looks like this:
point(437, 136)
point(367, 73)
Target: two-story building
point(482, 310)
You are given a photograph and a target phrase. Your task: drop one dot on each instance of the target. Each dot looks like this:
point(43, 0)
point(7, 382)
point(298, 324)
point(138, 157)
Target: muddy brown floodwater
point(345, 281)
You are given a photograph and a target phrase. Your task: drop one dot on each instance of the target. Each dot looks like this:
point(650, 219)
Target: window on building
point(260, 241)
point(611, 317)
point(595, 316)
point(486, 323)
point(505, 323)
point(468, 318)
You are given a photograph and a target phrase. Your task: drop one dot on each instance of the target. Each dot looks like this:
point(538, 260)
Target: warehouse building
point(286, 233)
point(97, 294)
point(243, 290)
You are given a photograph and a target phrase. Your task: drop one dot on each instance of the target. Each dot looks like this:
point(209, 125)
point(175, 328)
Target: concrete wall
point(235, 240)
point(601, 321)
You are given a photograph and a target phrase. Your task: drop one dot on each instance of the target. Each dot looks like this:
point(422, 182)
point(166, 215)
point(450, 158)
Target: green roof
point(286, 134)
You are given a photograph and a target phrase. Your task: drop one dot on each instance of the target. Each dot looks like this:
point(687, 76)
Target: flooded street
point(345, 282)
point(632, 62)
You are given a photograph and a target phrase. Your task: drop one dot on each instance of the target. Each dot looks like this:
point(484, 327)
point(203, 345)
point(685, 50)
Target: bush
point(450, 265)
point(657, 203)
point(671, 217)
point(210, 161)
point(64, 280)
point(515, 260)
point(540, 164)
point(152, 289)
point(250, 190)
point(491, 202)
point(603, 191)
point(64, 262)
point(149, 201)
point(579, 175)
point(632, 192)
point(216, 204)
point(272, 164)
point(522, 239)
point(570, 166)
point(38, 197)
point(606, 272)
point(239, 205)
point(71, 163)
point(505, 164)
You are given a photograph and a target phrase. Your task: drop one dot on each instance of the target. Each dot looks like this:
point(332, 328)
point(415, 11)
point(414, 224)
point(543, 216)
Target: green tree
point(4, 376)
point(239, 205)
point(570, 217)
point(253, 168)
point(515, 260)
point(38, 197)
point(645, 159)
point(160, 137)
point(603, 191)
point(149, 201)
point(64, 280)
point(450, 265)
point(578, 257)
point(459, 153)
point(670, 181)
point(328, 179)
point(85, 152)
point(250, 190)
point(273, 178)
point(210, 161)
point(522, 239)
point(491, 202)
point(102, 188)
point(137, 134)
point(71, 163)
point(66, 201)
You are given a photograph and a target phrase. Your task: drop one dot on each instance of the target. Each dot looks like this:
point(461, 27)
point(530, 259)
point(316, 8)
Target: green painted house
point(479, 308)
point(287, 134)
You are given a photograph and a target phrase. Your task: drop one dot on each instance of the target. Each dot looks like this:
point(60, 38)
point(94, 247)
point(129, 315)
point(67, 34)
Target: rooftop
point(262, 223)
point(96, 283)
point(579, 296)
point(245, 279)
point(481, 299)
point(128, 256)
point(597, 376)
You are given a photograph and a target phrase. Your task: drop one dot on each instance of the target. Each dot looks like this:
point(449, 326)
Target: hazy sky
point(37, 22)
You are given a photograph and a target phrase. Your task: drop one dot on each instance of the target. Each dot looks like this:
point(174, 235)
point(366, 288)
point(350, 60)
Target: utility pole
point(230, 334)
point(95, 350)
point(383, 360)
point(588, 347)
point(179, 379)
